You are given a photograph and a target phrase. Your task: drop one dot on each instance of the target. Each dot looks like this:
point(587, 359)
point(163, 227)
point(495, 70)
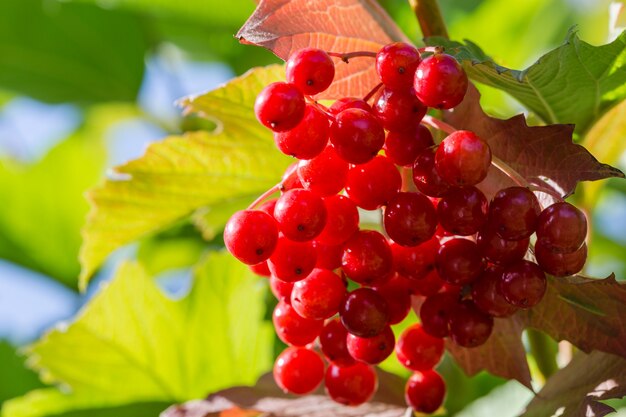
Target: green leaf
point(180, 175)
point(69, 52)
point(15, 378)
point(134, 344)
point(575, 83)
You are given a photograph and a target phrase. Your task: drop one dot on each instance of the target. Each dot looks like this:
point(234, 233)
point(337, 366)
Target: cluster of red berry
point(443, 241)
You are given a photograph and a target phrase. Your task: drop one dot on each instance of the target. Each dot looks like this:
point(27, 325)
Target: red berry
point(372, 350)
point(440, 82)
point(294, 329)
point(356, 135)
point(469, 326)
point(351, 385)
point(292, 261)
point(523, 284)
point(328, 256)
point(261, 269)
point(562, 227)
point(367, 258)
point(425, 176)
point(513, 213)
point(560, 264)
point(318, 296)
point(425, 391)
point(463, 158)
point(459, 261)
point(301, 214)
point(403, 147)
point(268, 206)
point(298, 370)
point(290, 180)
point(498, 250)
point(281, 289)
point(251, 236)
point(374, 183)
point(280, 106)
point(308, 138)
point(364, 313)
point(349, 103)
point(397, 294)
point(417, 350)
point(396, 64)
point(341, 222)
point(429, 284)
point(486, 296)
point(311, 70)
point(326, 174)
point(333, 343)
point(415, 262)
point(399, 110)
point(462, 211)
point(435, 313)
point(410, 219)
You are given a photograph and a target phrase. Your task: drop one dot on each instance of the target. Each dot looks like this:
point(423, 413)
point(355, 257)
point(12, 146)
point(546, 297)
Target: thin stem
point(429, 17)
point(544, 350)
point(510, 172)
point(438, 124)
point(346, 56)
point(320, 107)
point(263, 196)
point(372, 92)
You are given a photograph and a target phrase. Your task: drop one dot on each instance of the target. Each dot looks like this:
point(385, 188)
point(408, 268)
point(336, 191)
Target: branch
point(429, 17)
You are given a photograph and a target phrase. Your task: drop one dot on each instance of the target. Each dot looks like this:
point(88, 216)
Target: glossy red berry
point(251, 236)
point(435, 313)
point(417, 261)
point(357, 135)
point(351, 385)
point(364, 313)
point(425, 175)
point(280, 106)
point(326, 174)
point(308, 138)
point(372, 350)
point(292, 261)
point(333, 343)
point(281, 289)
point(292, 328)
point(523, 284)
point(440, 82)
point(396, 64)
point(319, 295)
point(410, 218)
point(290, 180)
point(311, 70)
point(463, 158)
point(513, 213)
point(367, 258)
point(298, 370)
point(469, 326)
point(486, 295)
point(399, 110)
point(301, 214)
point(328, 256)
point(498, 250)
point(345, 103)
point(342, 220)
point(462, 211)
point(425, 391)
point(459, 261)
point(417, 350)
point(427, 285)
point(374, 183)
point(261, 269)
point(562, 227)
point(557, 263)
point(397, 294)
point(403, 147)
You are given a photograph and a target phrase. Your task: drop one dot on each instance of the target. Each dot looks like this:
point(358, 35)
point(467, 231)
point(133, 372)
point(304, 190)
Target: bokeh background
point(87, 84)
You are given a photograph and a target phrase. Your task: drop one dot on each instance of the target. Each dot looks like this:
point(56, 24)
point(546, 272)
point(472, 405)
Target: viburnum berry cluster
point(469, 258)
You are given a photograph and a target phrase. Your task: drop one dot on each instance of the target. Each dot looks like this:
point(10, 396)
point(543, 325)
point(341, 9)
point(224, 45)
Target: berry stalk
point(347, 56)
point(429, 17)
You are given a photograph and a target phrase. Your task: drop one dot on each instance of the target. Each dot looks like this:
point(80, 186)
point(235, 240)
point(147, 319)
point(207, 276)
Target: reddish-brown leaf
point(283, 26)
point(544, 155)
point(269, 400)
point(575, 391)
point(590, 313)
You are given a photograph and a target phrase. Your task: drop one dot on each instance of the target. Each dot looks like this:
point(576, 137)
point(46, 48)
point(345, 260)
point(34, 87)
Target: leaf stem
point(544, 350)
point(372, 92)
point(429, 17)
point(263, 196)
point(347, 56)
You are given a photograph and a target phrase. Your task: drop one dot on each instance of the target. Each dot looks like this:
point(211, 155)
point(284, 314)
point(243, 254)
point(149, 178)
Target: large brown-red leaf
point(590, 313)
point(544, 155)
point(283, 26)
point(576, 390)
point(267, 398)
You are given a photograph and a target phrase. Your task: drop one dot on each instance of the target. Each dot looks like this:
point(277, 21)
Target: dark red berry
point(425, 176)
point(292, 261)
point(403, 147)
point(396, 64)
point(326, 174)
point(435, 313)
point(557, 263)
point(417, 350)
point(342, 220)
point(356, 135)
point(298, 370)
point(311, 70)
point(425, 391)
point(462, 211)
point(351, 385)
point(498, 250)
point(280, 106)
point(373, 184)
point(397, 294)
point(513, 213)
point(562, 227)
point(308, 138)
point(399, 110)
point(523, 284)
point(367, 258)
point(364, 313)
point(469, 326)
point(372, 350)
point(333, 343)
point(427, 285)
point(251, 236)
point(410, 218)
point(486, 295)
point(463, 158)
point(415, 262)
point(294, 329)
point(318, 296)
point(459, 261)
point(440, 82)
